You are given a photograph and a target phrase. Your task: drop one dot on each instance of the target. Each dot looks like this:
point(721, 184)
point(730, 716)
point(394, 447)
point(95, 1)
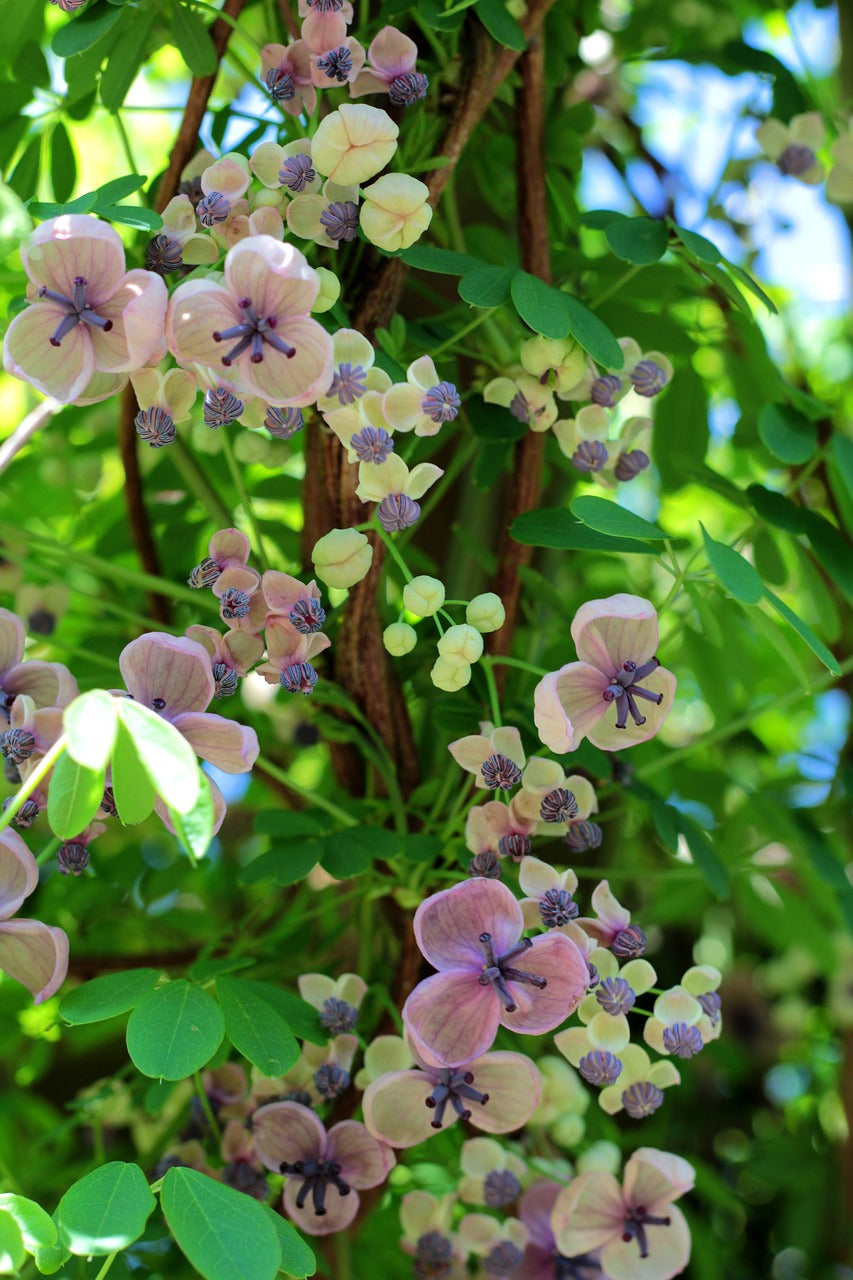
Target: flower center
point(280, 84)
point(433, 1256)
point(636, 1221)
point(255, 332)
point(17, 745)
point(408, 88)
point(557, 908)
point(226, 680)
point(503, 1259)
point(283, 423)
point(397, 511)
point(453, 1086)
point(641, 1100)
point(441, 403)
point(795, 160)
point(605, 390)
point(499, 772)
point(372, 444)
point(500, 1188)
point(330, 1080)
point(299, 677)
point(307, 616)
point(77, 308)
point(337, 1016)
point(336, 64)
point(296, 172)
point(340, 220)
point(221, 406)
point(204, 574)
point(590, 455)
point(317, 1176)
point(682, 1041)
point(349, 383)
point(498, 971)
point(515, 846)
point(624, 690)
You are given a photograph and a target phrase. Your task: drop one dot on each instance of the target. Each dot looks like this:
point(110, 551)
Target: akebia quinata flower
point(488, 974)
point(353, 143)
point(34, 954)
point(87, 313)
point(618, 694)
point(255, 324)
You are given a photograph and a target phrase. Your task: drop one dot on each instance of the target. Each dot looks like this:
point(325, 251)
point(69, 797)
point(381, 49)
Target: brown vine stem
point(185, 144)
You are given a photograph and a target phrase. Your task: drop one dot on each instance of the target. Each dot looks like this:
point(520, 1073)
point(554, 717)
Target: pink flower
point(542, 1260)
point(497, 1093)
point(472, 935)
point(337, 65)
point(294, 603)
point(31, 733)
point(324, 1171)
point(256, 323)
point(616, 639)
point(391, 58)
point(640, 1233)
point(324, 22)
point(49, 684)
point(494, 756)
point(290, 655)
point(612, 926)
point(32, 953)
point(286, 70)
point(87, 313)
point(231, 655)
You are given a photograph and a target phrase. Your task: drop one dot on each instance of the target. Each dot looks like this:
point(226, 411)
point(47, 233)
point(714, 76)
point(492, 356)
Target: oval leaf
point(106, 996)
point(545, 309)
point(194, 43)
point(132, 789)
point(90, 722)
point(34, 1223)
point(557, 527)
point(174, 1031)
point(195, 829)
point(63, 165)
point(105, 1211)
point(74, 797)
point(804, 632)
point(736, 574)
point(297, 1256)
point(593, 335)
point(487, 286)
point(166, 756)
point(500, 24)
point(84, 31)
point(787, 434)
point(608, 517)
point(223, 1233)
point(640, 241)
point(255, 1028)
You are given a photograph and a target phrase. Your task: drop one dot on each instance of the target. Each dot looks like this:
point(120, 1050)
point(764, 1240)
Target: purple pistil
point(280, 84)
point(453, 1086)
point(330, 1080)
point(299, 677)
point(631, 464)
point(499, 772)
point(682, 1041)
point(213, 208)
point(307, 616)
point(17, 745)
point(486, 865)
point(221, 407)
point(254, 332)
point(407, 89)
point(396, 511)
point(433, 1254)
point(226, 680)
point(629, 943)
point(500, 1188)
point(605, 390)
point(204, 574)
point(519, 407)
point(326, 6)
point(348, 384)
point(590, 455)
point(296, 172)
point(340, 220)
point(557, 908)
point(372, 444)
point(336, 64)
point(796, 160)
point(234, 604)
point(624, 690)
point(711, 1004)
point(283, 423)
point(616, 996)
point(600, 1068)
point(77, 308)
point(441, 403)
point(558, 805)
point(582, 836)
point(635, 1225)
point(26, 815)
point(641, 1100)
point(515, 847)
point(499, 972)
point(317, 1176)
point(337, 1017)
point(647, 378)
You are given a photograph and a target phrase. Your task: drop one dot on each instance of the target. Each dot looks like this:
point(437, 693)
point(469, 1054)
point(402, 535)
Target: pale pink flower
point(87, 314)
point(256, 323)
point(324, 22)
point(231, 655)
point(337, 65)
point(542, 1258)
point(49, 684)
point(616, 640)
point(549, 903)
point(498, 828)
point(32, 953)
point(286, 71)
point(640, 1233)
point(32, 732)
point(391, 58)
point(287, 648)
point(494, 756)
point(293, 603)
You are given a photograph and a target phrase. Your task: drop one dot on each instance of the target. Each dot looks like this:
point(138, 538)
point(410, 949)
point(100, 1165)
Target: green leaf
point(90, 722)
point(842, 455)
point(704, 855)
point(13, 1255)
point(697, 246)
point(718, 277)
point(34, 1223)
point(608, 517)
point(50, 1257)
point(105, 1211)
point(344, 857)
point(24, 177)
point(285, 865)
point(734, 572)
point(748, 283)
point(557, 527)
point(640, 241)
point(302, 1018)
point(74, 797)
point(486, 286)
point(15, 222)
point(787, 434)
point(126, 58)
point(255, 1028)
point(195, 829)
point(500, 24)
point(63, 165)
point(132, 790)
point(297, 1256)
point(166, 756)
point(174, 1031)
point(493, 422)
point(545, 309)
point(426, 257)
point(193, 41)
point(118, 188)
point(222, 1232)
point(681, 428)
point(131, 215)
point(85, 30)
point(104, 997)
point(593, 335)
point(804, 632)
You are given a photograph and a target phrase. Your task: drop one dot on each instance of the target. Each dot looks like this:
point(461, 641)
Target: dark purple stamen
point(433, 1254)
point(397, 511)
point(590, 455)
point(155, 426)
point(159, 704)
point(515, 847)
point(163, 255)
point(296, 172)
point(683, 1041)
point(349, 383)
point(557, 908)
point(226, 680)
point(372, 444)
point(503, 1259)
point(72, 858)
point(283, 423)
point(307, 616)
point(337, 1017)
point(454, 1085)
point(17, 745)
point(641, 1100)
point(487, 865)
point(407, 89)
point(255, 331)
point(26, 815)
point(213, 208)
point(605, 390)
point(499, 772)
point(624, 689)
point(77, 308)
point(108, 804)
point(330, 1080)
point(648, 379)
point(221, 407)
point(636, 1221)
point(631, 464)
point(299, 677)
point(41, 622)
point(280, 84)
point(576, 1268)
point(558, 805)
point(340, 220)
point(600, 1068)
point(711, 1004)
point(498, 972)
point(500, 1188)
point(629, 943)
point(317, 1176)
point(616, 996)
point(234, 604)
point(336, 64)
point(582, 836)
point(326, 6)
point(519, 407)
point(795, 160)
point(204, 574)
point(441, 403)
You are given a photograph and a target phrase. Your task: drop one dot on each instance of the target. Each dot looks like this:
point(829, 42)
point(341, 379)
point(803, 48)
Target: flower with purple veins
point(397, 511)
point(515, 846)
point(32, 953)
point(558, 805)
point(485, 864)
point(423, 402)
point(348, 383)
point(234, 603)
point(581, 836)
point(606, 390)
point(600, 1067)
point(615, 995)
point(495, 756)
point(390, 68)
point(286, 72)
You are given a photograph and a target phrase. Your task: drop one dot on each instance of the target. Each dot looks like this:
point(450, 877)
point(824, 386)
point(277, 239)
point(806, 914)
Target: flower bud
point(330, 291)
point(353, 143)
point(423, 596)
point(264, 198)
point(395, 212)
point(485, 612)
point(461, 644)
point(399, 638)
point(450, 676)
point(342, 557)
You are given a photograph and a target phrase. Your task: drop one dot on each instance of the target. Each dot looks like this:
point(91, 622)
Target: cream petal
point(401, 405)
point(610, 1034)
point(669, 1252)
point(612, 631)
point(809, 130)
point(653, 1030)
point(508, 742)
point(13, 639)
point(303, 219)
point(229, 547)
point(773, 137)
point(34, 954)
point(75, 245)
point(367, 82)
point(340, 1211)
point(655, 1178)
point(536, 877)
point(351, 347)
point(395, 1108)
point(18, 873)
point(323, 30)
point(514, 1087)
point(296, 381)
point(664, 1074)
point(61, 372)
point(584, 794)
point(49, 684)
point(677, 1005)
point(607, 737)
point(588, 1213)
point(228, 746)
point(639, 974)
point(542, 775)
point(173, 668)
point(197, 310)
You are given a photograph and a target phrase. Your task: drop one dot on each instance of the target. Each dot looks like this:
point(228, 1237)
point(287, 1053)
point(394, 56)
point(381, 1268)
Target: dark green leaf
point(640, 241)
point(107, 996)
point(31, 66)
point(486, 286)
point(600, 219)
point(736, 574)
point(787, 434)
point(697, 246)
point(255, 1028)
point(500, 24)
point(426, 257)
point(842, 454)
point(25, 176)
point(432, 13)
point(85, 30)
point(174, 1031)
point(74, 797)
point(222, 1232)
point(130, 215)
point(748, 283)
point(545, 309)
point(132, 789)
point(704, 855)
point(681, 428)
point(804, 632)
point(493, 422)
point(285, 864)
point(302, 1018)
point(105, 1211)
point(63, 166)
point(608, 517)
point(119, 188)
point(557, 527)
point(288, 822)
point(126, 58)
point(193, 41)
point(593, 335)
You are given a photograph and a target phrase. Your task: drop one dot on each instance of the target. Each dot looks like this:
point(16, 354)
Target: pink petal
point(452, 1017)
point(138, 312)
point(470, 752)
point(75, 245)
point(285, 1132)
point(580, 689)
point(242, 650)
point(364, 1160)
point(555, 957)
point(281, 591)
point(535, 1208)
point(392, 52)
point(669, 1252)
point(552, 724)
point(295, 381)
point(173, 668)
point(13, 638)
point(34, 954)
point(607, 737)
point(229, 746)
point(588, 1213)
point(61, 372)
point(656, 1178)
point(47, 683)
point(448, 924)
point(229, 546)
point(367, 82)
point(19, 873)
point(340, 1210)
point(274, 275)
point(514, 1086)
point(321, 31)
point(197, 310)
point(395, 1108)
point(612, 631)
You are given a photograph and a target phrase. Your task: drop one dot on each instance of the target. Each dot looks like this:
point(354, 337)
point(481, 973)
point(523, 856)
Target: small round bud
point(461, 644)
point(342, 557)
point(485, 612)
point(424, 595)
point(399, 638)
point(450, 676)
point(330, 291)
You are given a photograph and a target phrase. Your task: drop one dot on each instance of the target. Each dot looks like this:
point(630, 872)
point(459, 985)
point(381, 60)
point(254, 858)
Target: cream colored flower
point(342, 557)
point(395, 212)
point(353, 143)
